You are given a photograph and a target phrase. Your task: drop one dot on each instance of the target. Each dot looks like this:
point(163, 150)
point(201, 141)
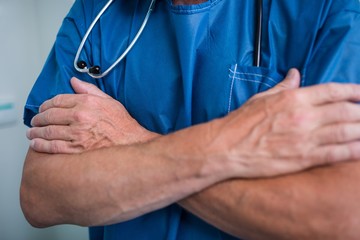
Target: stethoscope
point(95, 71)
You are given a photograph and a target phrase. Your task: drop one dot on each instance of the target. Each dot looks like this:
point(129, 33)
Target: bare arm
point(114, 184)
point(270, 141)
point(321, 203)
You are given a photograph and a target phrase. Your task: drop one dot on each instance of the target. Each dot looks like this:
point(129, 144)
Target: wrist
point(217, 149)
point(200, 145)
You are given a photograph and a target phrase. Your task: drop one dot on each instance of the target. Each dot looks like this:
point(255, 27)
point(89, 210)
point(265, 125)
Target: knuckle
point(81, 145)
point(345, 110)
point(333, 90)
point(291, 97)
point(306, 162)
point(57, 101)
point(80, 139)
point(42, 106)
point(55, 147)
point(341, 133)
point(335, 154)
point(298, 97)
point(80, 116)
point(299, 118)
point(47, 116)
point(48, 132)
point(355, 151)
point(296, 121)
point(286, 94)
point(88, 99)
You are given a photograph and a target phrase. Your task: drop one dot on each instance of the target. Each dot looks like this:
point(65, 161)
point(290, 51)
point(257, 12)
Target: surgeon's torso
point(193, 63)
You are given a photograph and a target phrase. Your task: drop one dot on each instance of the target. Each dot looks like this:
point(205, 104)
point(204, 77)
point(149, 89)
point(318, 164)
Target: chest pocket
point(246, 81)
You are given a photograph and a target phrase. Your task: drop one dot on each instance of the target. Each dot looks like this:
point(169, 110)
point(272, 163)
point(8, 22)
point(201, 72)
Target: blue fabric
point(193, 64)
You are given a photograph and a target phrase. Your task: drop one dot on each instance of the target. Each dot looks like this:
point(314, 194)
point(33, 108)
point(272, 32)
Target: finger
point(53, 146)
point(60, 101)
point(338, 112)
point(337, 153)
point(82, 87)
point(291, 81)
point(332, 92)
point(52, 132)
point(53, 116)
point(337, 134)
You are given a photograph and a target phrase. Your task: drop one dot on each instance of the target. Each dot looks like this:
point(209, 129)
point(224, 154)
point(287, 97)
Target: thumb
point(81, 87)
point(291, 81)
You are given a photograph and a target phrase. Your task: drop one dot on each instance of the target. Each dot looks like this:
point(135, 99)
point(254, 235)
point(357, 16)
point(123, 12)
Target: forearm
point(115, 184)
point(321, 203)
point(274, 133)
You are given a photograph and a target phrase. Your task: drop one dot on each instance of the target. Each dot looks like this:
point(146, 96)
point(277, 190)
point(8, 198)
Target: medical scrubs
point(193, 64)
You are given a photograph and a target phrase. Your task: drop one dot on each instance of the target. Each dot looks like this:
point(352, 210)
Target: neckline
point(191, 8)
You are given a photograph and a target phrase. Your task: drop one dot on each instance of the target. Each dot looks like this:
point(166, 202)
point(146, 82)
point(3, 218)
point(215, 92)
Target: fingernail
point(75, 79)
point(32, 144)
point(28, 133)
point(290, 73)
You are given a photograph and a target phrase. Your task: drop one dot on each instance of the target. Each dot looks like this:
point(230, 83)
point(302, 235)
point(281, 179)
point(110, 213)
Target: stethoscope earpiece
point(95, 70)
point(81, 64)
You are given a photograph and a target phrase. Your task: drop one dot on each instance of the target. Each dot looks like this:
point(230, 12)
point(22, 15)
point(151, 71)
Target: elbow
point(31, 209)
point(36, 201)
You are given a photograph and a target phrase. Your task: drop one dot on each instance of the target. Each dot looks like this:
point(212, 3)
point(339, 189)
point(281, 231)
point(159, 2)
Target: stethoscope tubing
point(123, 55)
point(258, 33)
point(257, 37)
point(81, 46)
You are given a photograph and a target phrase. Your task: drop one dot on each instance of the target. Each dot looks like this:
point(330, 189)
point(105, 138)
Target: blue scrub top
point(193, 64)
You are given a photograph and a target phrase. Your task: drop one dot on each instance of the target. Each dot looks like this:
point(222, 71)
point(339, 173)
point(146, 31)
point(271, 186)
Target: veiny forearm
point(321, 203)
point(114, 184)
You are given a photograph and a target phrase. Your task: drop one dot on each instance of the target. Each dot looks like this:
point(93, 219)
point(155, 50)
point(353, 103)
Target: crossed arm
point(321, 203)
point(118, 183)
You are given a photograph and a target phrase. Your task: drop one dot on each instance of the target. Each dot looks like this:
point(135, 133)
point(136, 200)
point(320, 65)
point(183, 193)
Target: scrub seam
point(251, 80)
point(232, 87)
point(235, 75)
point(254, 74)
point(29, 105)
point(191, 9)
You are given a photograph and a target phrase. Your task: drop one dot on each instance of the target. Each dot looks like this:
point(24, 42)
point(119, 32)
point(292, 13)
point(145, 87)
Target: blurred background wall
point(27, 31)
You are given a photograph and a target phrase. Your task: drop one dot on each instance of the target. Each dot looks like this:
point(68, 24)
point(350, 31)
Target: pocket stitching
point(232, 86)
point(252, 74)
point(236, 73)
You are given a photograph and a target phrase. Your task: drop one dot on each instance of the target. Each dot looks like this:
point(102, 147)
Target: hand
point(287, 129)
point(90, 119)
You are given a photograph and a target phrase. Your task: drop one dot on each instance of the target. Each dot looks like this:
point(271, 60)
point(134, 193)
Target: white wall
point(27, 30)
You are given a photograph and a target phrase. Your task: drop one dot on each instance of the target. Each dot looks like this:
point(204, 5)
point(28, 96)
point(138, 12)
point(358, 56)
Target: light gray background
point(27, 31)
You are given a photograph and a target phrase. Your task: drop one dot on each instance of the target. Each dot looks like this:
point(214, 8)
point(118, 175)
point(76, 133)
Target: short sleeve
point(55, 76)
point(336, 53)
